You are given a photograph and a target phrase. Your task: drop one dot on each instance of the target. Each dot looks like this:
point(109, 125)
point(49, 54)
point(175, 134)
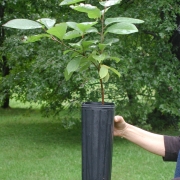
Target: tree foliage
point(147, 91)
point(20, 58)
point(150, 66)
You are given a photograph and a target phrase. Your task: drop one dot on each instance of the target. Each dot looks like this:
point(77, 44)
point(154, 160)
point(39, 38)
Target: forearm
point(149, 141)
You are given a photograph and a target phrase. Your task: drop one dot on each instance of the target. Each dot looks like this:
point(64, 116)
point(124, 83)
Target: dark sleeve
point(172, 147)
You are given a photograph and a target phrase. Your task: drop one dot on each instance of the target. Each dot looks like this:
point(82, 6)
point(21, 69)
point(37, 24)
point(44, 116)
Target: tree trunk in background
point(175, 39)
point(5, 72)
point(4, 65)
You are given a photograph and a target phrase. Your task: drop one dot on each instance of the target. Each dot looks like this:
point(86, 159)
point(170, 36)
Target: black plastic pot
point(97, 140)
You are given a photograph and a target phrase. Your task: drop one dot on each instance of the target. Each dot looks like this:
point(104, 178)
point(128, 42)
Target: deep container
point(97, 140)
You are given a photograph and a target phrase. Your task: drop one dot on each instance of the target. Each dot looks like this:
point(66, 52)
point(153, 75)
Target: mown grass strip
point(38, 148)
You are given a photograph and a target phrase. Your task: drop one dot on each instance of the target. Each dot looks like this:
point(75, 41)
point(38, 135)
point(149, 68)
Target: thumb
point(118, 118)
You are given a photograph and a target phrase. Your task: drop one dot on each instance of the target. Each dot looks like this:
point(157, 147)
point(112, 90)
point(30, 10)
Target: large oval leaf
point(91, 30)
point(122, 28)
point(85, 26)
point(76, 45)
point(73, 25)
point(92, 11)
point(73, 65)
point(22, 24)
point(49, 23)
point(85, 63)
point(123, 19)
point(111, 41)
point(66, 75)
point(116, 59)
point(110, 3)
point(35, 38)
point(103, 71)
point(59, 30)
point(72, 34)
point(99, 58)
point(115, 71)
point(108, 42)
point(86, 44)
point(106, 78)
point(68, 2)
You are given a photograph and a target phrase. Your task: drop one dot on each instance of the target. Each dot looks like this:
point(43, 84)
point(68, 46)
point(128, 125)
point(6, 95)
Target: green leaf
point(106, 78)
point(102, 46)
point(49, 23)
point(72, 34)
point(115, 71)
point(59, 30)
point(109, 42)
point(87, 44)
point(123, 20)
point(103, 71)
point(73, 25)
point(104, 11)
point(110, 3)
point(122, 28)
point(115, 59)
point(73, 65)
point(66, 75)
point(92, 30)
point(22, 24)
point(67, 51)
point(92, 11)
point(85, 26)
point(68, 2)
point(82, 27)
point(75, 54)
point(77, 45)
point(84, 67)
point(99, 58)
point(35, 38)
point(84, 64)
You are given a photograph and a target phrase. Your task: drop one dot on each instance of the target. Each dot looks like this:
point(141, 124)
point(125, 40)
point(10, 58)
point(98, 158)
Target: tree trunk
point(175, 39)
point(4, 65)
point(5, 72)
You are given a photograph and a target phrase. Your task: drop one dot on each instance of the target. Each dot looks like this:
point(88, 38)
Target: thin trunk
point(102, 91)
point(5, 72)
point(175, 39)
point(4, 65)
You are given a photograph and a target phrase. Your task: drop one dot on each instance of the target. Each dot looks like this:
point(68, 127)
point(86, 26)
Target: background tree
point(11, 51)
point(147, 93)
point(150, 67)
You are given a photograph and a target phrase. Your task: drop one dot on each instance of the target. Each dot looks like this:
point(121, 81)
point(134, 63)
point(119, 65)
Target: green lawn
point(37, 148)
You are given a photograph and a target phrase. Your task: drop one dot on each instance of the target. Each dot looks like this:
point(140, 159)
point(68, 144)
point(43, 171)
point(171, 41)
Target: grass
point(132, 162)
point(33, 147)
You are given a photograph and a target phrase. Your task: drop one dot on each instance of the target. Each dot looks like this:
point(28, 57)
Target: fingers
point(119, 125)
point(118, 118)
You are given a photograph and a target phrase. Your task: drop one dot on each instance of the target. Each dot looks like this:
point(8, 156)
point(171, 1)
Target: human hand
point(119, 126)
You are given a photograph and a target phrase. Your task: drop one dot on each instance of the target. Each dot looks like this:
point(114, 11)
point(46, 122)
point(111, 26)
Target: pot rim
point(97, 104)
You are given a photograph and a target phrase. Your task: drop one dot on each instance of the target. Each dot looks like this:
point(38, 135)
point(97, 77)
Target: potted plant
point(86, 53)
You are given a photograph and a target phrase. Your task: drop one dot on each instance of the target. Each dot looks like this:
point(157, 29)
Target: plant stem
point(102, 39)
point(102, 28)
point(102, 91)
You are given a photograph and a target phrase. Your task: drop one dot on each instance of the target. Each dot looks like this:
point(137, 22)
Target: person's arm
point(152, 142)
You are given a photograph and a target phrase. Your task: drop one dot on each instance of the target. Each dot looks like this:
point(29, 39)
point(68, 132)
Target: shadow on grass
point(17, 111)
point(21, 125)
